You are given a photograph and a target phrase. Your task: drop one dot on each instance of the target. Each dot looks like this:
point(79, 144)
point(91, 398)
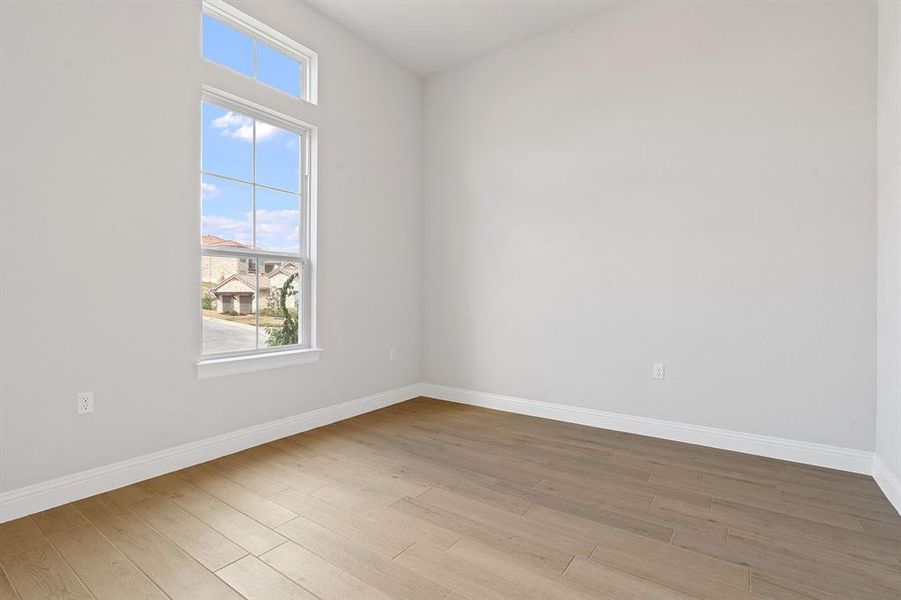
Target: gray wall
point(689, 183)
point(100, 190)
point(888, 401)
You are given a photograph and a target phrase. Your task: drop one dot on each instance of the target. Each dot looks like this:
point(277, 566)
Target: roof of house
point(213, 240)
point(248, 279)
point(288, 269)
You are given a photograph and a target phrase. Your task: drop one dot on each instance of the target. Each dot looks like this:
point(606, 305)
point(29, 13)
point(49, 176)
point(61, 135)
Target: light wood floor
point(432, 500)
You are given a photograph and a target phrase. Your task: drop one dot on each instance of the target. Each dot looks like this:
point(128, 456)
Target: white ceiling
point(429, 36)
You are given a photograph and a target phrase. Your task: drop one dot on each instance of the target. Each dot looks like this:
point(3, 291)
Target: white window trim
point(261, 32)
point(306, 351)
point(235, 365)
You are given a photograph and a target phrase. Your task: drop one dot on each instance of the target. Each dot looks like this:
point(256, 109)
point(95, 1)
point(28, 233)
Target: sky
point(229, 147)
point(233, 49)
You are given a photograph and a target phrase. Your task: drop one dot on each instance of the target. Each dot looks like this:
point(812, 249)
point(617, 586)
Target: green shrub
point(287, 333)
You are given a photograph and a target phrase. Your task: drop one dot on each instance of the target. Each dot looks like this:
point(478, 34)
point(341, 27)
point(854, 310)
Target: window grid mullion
point(213, 251)
point(244, 181)
point(259, 298)
point(253, 189)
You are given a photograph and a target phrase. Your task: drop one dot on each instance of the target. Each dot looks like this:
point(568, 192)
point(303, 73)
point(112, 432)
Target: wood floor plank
point(107, 573)
point(510, 470)
point(123, 498)
point(882, 530)
point(18, 536)
point(318, 575)
point(614, 516)
point(6, 588)
point(764, 560)
point(678, 577)
point(570, 543)
point(527, 549)
point(363, 563)
point(610, 491)
point(855, 506)
point(776, 515)
point(255, 580)
point(233, 469)
point(750, 518)
point(203, 543)
point(273, 464)
point(861, 572)
point(717, 486)
point(430, 500)
point(167, 565)
point(459, 576)
point(368, 480)
point(619, 583)
point(611, 538)
point(254, 505)
point(42, 573)
point(351, 525)
point(382, 454)
point(545, 584)
point(57, 519)
point(230, 522)
point(469, 577)
point(778, 588)
point(407, 527)
point(879, 565)
point(347, 499)
point(750, 468)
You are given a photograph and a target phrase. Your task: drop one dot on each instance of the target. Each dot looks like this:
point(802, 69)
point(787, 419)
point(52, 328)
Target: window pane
point(279, 318)
point(227, 142)
point(278, 221)
point(228, 303)
point(227, 46)
point(278, 70)
point(277, 157)
point(226, 212)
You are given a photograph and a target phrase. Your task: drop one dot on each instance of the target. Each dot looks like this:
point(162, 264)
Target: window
point(243, 44)
point(254, 230)
point(257, 204)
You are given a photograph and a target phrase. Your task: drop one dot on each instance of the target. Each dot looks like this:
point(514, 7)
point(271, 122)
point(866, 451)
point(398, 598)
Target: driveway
point(226, 336)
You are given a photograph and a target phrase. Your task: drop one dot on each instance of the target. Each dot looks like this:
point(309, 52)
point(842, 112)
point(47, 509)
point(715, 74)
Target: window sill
point(235, 365)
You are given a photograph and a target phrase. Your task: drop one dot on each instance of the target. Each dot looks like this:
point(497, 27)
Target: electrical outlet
point(85, 403)
point(658, 371)
point(392, 353)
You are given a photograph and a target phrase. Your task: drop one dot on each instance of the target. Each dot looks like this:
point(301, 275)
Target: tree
point(287, 333)
point(208, 301)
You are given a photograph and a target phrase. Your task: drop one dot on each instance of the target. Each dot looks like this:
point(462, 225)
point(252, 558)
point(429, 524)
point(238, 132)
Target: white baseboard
point(41, 496)
point(833, 457)
point(889, 482)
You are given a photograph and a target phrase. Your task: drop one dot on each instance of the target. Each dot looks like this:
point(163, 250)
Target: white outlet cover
point(85, 403)
point(659, 371)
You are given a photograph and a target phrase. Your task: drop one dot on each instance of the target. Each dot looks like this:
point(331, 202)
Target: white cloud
point(266, 131)
point(228, 228)
point(208, 191)
point(240, 127)
point(277, 230)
